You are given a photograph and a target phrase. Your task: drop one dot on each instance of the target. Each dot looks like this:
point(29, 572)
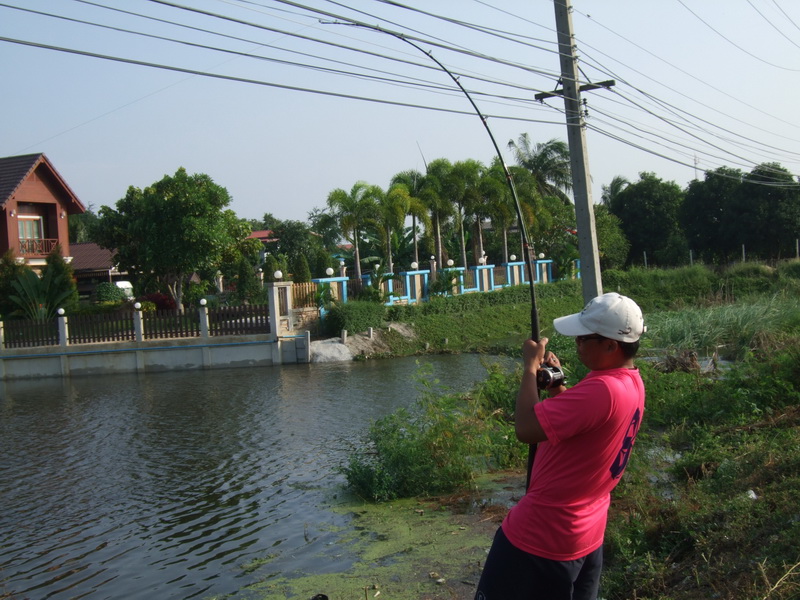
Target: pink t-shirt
point(590, 431)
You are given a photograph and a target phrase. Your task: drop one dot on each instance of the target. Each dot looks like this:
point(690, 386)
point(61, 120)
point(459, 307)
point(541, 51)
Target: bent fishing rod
point(509, 180)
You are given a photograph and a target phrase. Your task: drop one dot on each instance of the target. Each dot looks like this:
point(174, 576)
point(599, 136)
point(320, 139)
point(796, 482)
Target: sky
point(283, 102)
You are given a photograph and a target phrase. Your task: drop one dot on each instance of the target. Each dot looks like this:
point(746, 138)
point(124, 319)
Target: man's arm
point(526, 424)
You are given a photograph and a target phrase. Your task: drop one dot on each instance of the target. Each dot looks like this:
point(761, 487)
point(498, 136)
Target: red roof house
point(34, 204)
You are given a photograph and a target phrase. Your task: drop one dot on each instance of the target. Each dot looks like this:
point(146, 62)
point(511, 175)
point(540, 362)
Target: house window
point(30, 228)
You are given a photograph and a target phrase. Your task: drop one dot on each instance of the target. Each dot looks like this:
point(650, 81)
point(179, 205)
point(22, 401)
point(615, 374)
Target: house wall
point(42, 189)
point(5, 225)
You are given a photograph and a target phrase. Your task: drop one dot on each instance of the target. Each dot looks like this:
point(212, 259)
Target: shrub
point(354, 316)
point(109, 292)
point(790, 268)
point(749, 278)
point(301, 273)
point(439, 444)
point(159, 300)
point(62, 277)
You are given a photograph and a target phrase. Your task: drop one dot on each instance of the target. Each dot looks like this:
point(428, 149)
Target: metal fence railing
point(25, 334)
point(105, 327)
point(164, 324)
point(121, 327)
point(239, 320)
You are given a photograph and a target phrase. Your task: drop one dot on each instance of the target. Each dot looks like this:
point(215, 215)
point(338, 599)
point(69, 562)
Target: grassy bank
point(709, 506)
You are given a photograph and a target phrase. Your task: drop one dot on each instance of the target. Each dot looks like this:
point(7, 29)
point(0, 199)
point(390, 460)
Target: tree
point(325, 227)
point(709, 217)
point(648, 211)
point(767, 211)
point(553, 234)
point(248, 285)
point(81, 226)
point(612, 190)
point(10, 271)
point(39, 298)
point(548, 162)
point(171, 229)
point(436, 194)
point(464, 186)
point(301, 273)
point(391, 210)
point(293, 239)
point(498, 203)
point(63, 279)
point(413, 180)
point(353, 211)
point(612, 245)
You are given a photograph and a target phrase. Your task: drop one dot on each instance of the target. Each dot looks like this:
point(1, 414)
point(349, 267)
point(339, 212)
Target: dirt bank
point(413, 549)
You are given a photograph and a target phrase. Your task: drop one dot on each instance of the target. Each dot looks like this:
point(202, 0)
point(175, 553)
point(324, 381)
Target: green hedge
point(354, 316)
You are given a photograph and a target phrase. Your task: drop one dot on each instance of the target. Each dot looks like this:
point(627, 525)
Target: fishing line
point(509, 180)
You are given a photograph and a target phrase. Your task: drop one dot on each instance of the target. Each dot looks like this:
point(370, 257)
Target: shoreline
point(430, 548)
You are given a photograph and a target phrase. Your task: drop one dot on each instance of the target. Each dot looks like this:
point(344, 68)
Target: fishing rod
point(509, 180)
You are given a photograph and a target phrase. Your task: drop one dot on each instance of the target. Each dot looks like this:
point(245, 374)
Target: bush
point(109, 292)
point(159, 300)
point(301, 273)
point(355, 316)
point(440, 444)
point(747, 278)
point(789, 269)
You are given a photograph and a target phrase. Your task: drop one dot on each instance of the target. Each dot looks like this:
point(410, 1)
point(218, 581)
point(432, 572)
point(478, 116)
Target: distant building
point(34, 204)
point(91, 265)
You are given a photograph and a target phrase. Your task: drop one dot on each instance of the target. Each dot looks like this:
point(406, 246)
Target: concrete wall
point(154, 356)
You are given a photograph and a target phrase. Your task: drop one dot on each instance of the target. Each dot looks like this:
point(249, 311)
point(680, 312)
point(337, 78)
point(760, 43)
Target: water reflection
point(169, 485)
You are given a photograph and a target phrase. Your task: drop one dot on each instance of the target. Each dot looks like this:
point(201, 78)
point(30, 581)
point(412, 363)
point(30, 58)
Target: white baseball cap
point(611, 315)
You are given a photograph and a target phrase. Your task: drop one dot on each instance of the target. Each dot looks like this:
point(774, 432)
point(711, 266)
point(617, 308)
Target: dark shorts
point(512, 574)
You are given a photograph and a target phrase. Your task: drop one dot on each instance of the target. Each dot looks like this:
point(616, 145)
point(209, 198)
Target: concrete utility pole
point(576, 138)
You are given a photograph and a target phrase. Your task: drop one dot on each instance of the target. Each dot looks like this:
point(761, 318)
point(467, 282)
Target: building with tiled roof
point(35, 202)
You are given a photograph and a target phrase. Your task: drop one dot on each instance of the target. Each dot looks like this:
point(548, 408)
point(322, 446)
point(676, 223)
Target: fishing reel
point(548, 377)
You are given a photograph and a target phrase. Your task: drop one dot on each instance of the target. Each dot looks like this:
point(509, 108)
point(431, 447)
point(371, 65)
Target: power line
point(734, 44)
point(141, 63)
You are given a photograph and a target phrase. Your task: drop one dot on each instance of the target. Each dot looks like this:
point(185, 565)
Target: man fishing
point(549, 547)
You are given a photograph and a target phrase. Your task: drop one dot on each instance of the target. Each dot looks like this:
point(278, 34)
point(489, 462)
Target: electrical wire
point(691, 133)
point(775, 27)
point(734, 44)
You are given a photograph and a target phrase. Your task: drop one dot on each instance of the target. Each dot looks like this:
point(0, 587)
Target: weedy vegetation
point(708, 507)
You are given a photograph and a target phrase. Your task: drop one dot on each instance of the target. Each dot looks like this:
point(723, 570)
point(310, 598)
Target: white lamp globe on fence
point(481, 260)
point(414, 266)
point(513, 257)
point(278, 274)
point(203, 301)
point(329, 272)
point(450, 262)
point(541, 255)
point(61, 312)
point(137, 305)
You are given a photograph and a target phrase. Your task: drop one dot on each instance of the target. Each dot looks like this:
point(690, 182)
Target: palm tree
point(548, 162)
point(413, 180)
point(465, 186)
point(392, 208)
point(612, 190)
point(353, 211)
point(436, 193)
point(497, 204)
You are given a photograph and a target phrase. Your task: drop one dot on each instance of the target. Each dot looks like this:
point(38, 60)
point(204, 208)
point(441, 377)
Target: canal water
point(180, 485)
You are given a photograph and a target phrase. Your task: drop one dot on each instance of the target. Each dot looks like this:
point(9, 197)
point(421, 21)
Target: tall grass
point(729, 330)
